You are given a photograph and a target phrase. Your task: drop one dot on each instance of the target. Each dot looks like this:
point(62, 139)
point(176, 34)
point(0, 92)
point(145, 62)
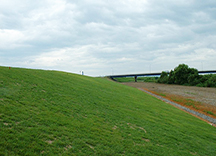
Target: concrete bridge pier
point(135, 78)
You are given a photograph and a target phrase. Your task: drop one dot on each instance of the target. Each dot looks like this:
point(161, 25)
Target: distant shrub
point(207, 80)
point(163, 78)
point(183, 75)
point(171, 78)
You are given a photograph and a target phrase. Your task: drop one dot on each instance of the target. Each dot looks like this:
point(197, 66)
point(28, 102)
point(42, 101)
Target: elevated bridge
point(155, 74)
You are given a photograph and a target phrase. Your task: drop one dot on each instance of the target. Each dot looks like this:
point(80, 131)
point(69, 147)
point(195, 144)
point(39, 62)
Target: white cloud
point(11, 39)
point(97, 36)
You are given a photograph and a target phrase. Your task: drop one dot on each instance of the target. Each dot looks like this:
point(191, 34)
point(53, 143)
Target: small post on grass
point(9, 67)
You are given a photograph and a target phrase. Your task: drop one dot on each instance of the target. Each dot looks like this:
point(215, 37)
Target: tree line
point(183, 75)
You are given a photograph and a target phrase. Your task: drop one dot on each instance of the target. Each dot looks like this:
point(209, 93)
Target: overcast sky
point(104, 37)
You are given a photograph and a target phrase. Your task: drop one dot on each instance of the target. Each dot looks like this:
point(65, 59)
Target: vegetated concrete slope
point(58, 113)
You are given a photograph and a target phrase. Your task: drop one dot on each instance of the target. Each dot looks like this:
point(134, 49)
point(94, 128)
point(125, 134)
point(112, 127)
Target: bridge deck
point(156, 74)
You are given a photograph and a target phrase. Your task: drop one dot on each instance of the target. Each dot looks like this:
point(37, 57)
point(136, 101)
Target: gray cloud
point(104, 37)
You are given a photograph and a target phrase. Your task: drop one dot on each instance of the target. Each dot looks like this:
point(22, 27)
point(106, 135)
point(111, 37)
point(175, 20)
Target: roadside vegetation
point(139, 79)
point(58, 113)
point(183, 75)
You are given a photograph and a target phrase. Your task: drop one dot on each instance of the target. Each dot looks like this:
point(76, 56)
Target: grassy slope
point(52, 113)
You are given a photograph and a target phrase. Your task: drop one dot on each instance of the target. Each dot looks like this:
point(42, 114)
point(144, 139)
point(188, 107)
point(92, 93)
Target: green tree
point(171, 78)
point(163, 77)
point(212, 81)
point(181, 74)
point(208, 80)
point(193, 77)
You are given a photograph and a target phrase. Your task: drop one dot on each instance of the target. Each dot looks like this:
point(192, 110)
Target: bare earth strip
point(206, 96)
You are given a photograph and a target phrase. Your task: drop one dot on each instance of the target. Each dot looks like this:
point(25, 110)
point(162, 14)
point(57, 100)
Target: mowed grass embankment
point(58, 113)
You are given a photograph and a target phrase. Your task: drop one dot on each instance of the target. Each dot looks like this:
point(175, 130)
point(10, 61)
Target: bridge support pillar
point(135, 78)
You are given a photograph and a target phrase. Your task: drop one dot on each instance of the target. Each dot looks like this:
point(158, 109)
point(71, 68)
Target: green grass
point(161, 94)
point(58, 113)
point(139, 79)
point(209, 112)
